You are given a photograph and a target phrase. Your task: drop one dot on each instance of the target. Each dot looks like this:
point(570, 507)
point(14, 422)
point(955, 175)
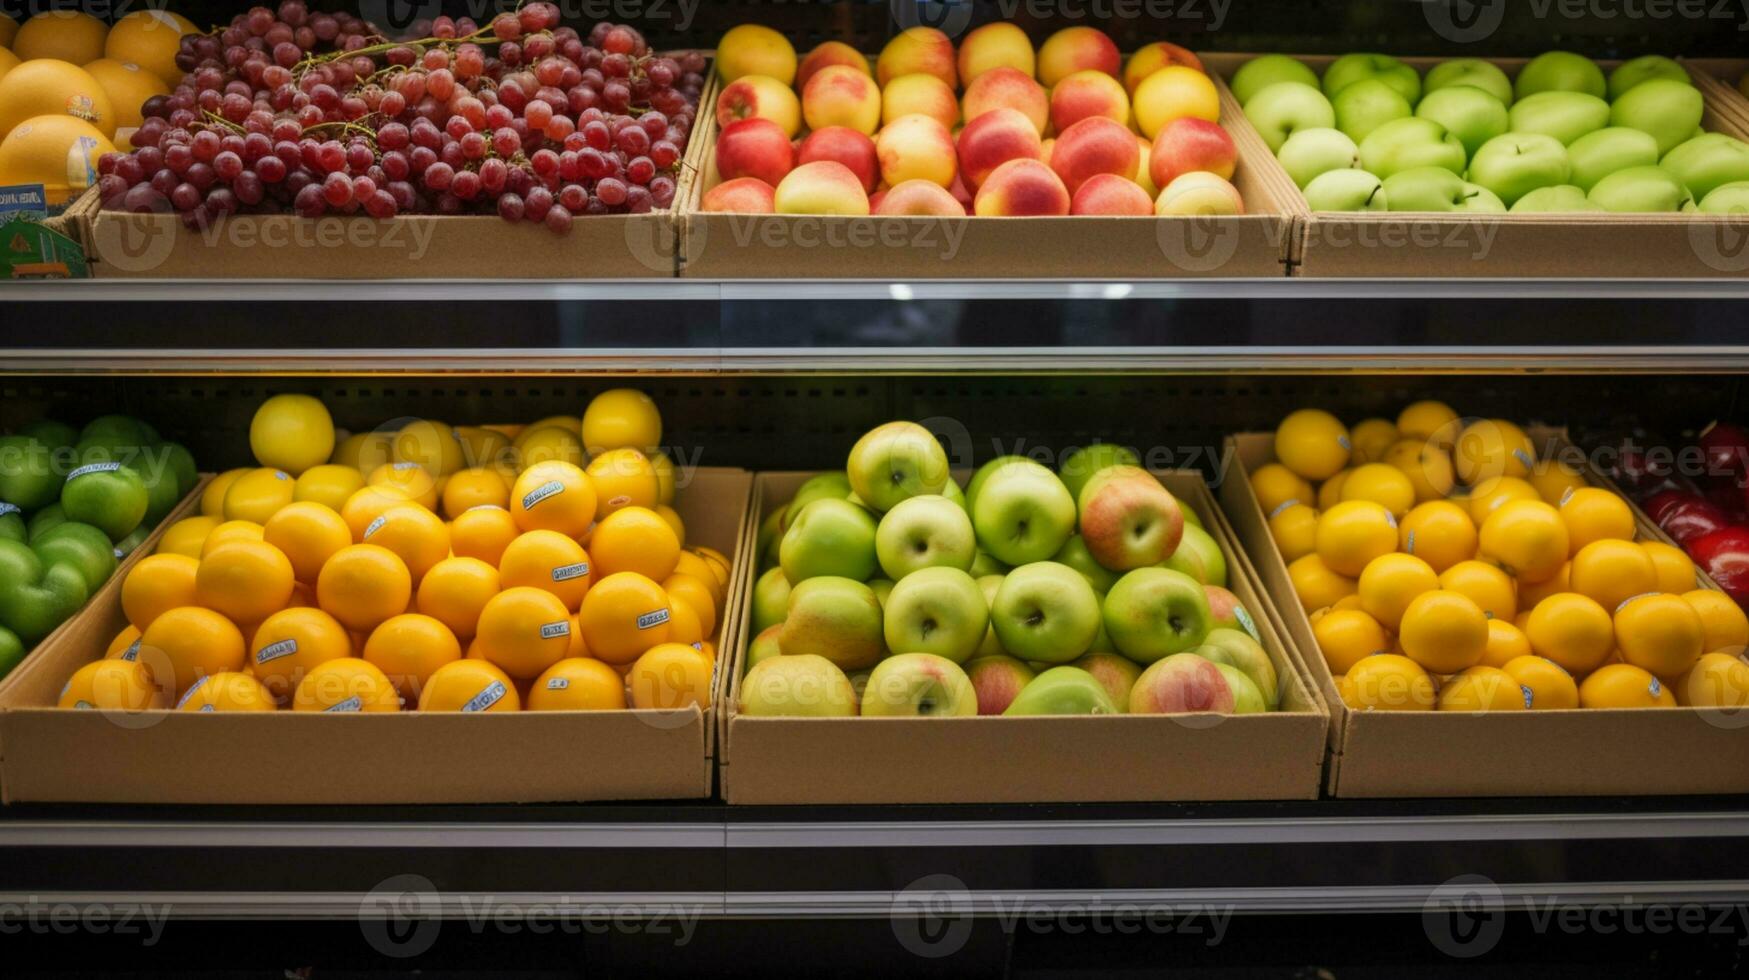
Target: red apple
point(846, 146)
point(1188, 145)
point(1724, 554)
point(1726, 447)
point(1693, 519)
point(754, 148)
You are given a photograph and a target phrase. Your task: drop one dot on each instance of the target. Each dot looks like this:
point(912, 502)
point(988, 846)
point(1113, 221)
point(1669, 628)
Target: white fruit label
point(1524, 458)
point(565, 573)
point(403, 466)
point(1409, 545)
point(118, 552)
point(190, 692)
point(92, 468)
point(652, 619)
point(1566, 495)
point(209, 707)
point(558, 684)
point(274, 651)
point(1244, 618)
point(132, 652)
point(551, 488)
point(83, 705)
point(554, 630)
point(1391, 519)
point(6, 508)
point(1284, 505)
point(375, 526)
point(280, 475)
point(1529, 696)
point(1344, 442)
point(489, 696)
point(697, 645)
point(350, 704)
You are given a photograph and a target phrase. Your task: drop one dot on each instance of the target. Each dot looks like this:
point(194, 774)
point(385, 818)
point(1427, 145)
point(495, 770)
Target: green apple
point(1285, 108)
point(181, 463)
point(766, 645)
point(1515, 164)
point(989, 585)
point(46, 519)
point(12, 651)
point(1153, 613)
point(985, 563)
point(117, 433)
point(108, 496)
point(924, 532)
point(1564, 115)
point(833, 485)
point(1484, 75)
point(1708, 162)
point(79, 546)
point(1561, 71)
point(1062, 691)
point(1467, 112)
point(1238, 649)
point(1597, 155)
point(1225, 610)
point(894, 461)
point(1366, 105)
point(837, 618)
point(1046, 613)
point(770, 599)
point(1347, 190)
point(1114, 672)
point(1646, 67)
point(829, 537)
point(36, 594)
point(1214, 563)
point(800, 686)
point(162, 494)
point(12, 524)
point(1074, 554)
point(1731, 199)
point(998, 679)
point(976, 483)
point(1551, 200)
point(1185, 683)
point(1641, 190)
point(1406, 144)
point(918, 685)
point(1667, 109)
point(1259, 73)
point(1023, 513)
point(882, 589)
point(1079, 466)
point(936, 610)
point(50, 433)
point(1312, 152)
point(954, 492)
point(1352, 69)
point(771, 532)
point(1128, 519)
point(28, 479)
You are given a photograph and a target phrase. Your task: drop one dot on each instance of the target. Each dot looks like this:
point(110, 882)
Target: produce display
point(1705, 512)
point(889, 590)
point(994, 129)
point(489, 568)
point(1374, 135)
point(1446, 565)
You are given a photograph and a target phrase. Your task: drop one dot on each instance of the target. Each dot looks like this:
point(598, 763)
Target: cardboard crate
point(1590, 246)
point(299, 757)
point(1582, 752)
point(996, 759)
point(764, 246)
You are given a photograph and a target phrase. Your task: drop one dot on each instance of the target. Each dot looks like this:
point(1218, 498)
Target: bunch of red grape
point(320, 114)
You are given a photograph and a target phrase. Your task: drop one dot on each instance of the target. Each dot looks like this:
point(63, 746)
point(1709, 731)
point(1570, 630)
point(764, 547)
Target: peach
point(821, 187)
point(754, 50)
point(1086, 94)
point(919, 94)
point(918, 50)
point(831, 53)
point(1022, 189)
point(847, 146)
point(1201, 193)
point(1144, 176)
point(760, 97)
point(1095, 146)
point(913, 147)
point(1111, 194)
point(1188, 145)
point(1172, 93)
point(1046, 150)
point(1074, 49)
point(745, 195)
point(998, 45)
point(754, 148)
point(1160, 54)
point(919, 198)
point(1007, 88)
point(993, 139)
point(998, 679)
point(839, 95)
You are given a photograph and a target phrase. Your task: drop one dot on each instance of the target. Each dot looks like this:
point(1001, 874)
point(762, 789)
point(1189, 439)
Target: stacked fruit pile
point(1445, 565)
point(72, 503)
point(1373, 135)
point(890, 571)
point(1706, 512)
point(1051, 132)
point(341, 586)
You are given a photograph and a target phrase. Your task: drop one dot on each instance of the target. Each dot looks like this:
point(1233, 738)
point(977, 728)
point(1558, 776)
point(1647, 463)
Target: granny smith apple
point(44, 520)
point(1667, 109)
point(984, 563)
point(1641, 190)
point(1352, 69)
point(28, 479)
point(1561, 71)
point(108, 496)
point(1155, 612)
point(836, 618)
point(50, 433)
point(1214, 563)
point(1236, 648)
point(918, 685)
point(1731, 199)
point(805, 686)
point(1079, 466)
point(1597, 155)
point(770, 599)
point(1023, 513)
point(1484, 75)
point(1467, 112)
point(1285, 108)
point(833, 485)
point(936, 610)
point(894, 461)
point(771, 530)
point(1063, 691)
point(976, 483)
point(12, 525)
point(1347, 190)
point(12, 651)
point(989, 585)
point(78, 546)
point(1564, 115)
point(1515, 164)
point(1551, 200)
point(829, 537)
point(954, 492)
point(1708, 162)
point(1646, 67)
point(117, 433)
point(1438, 189)
point(1045, 612)
point(1310, 153)
point(924, 532)
point(181, 463)
point(1261, 72)
point(768, 644)
point(1366, 105)
point(1074, 554)
point(1405, 144)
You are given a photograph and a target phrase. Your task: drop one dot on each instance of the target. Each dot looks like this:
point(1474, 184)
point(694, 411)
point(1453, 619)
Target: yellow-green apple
point(937, 610)
point(896, 461)
point(1224, 608)
point(805, 686)
point(1144, 176)
point(1285, 108)
point(1595, 156)
point(1172, 93)
point(1236, 648)
point(1128, 519)
point(847, 146)
point(1730, 199)
point(1564, 115)
point(1023, 514)
point(766, 645)
point(1111, 195)
point(1515, 164)
point(832, 484)
point(1062, 691)
point(882, 588)
point(997, 45)
point(836, 618)
point(1074, 49)
point(1079, 466)
point(1366, 105)
point(1191, 145)
point(1404, 144)
point(982, 473)
point(1547, 200)
point(821, 187)
point(1641, 190)
point(831, 53)
point(839, 95)
point(1152, 613)
point(1352, 69)
point(1153, 57)
point(1646, 67)
point(1667, 109)
point(751, 49)
point(1114, 672)
point(770, 599)
point(1259, 73)
point(1311, 153)
point(989, 585)
point(1200, 543)
point(918, 50)
point(925, 531)
point(992, 139)
point(1086, 94)
point(760, 97)
point(920, 94)
point(1007, 88)
point(754, 148)
point(1045, 612)
point(1185, 683)
point(1474, 72)
point(829, 537)
point(743, 195)
point(1199, 194)
point(1707, 162)
point(998, 680)
point(1561, 71)
point(916, 147)
point(918, 685)
point(1437, 189)
point(1467, 112)
point(1074, 554)
point(919, 199)
point(1094, 146)
point(1022, 189)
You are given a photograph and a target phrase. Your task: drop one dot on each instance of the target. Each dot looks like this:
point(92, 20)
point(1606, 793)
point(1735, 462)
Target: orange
point(416, 534)
point(184, 645)
point(621, 418)
point(187, 536)
point(1661, 634)
point(1482, 689)
point(408, 648)
point(1531, 593)
point(1526, 538)
point(1294, 527)
point(1624, 686)
point(1573, 631)
point(623, 615)
point(524, 631)
point(1428, 467)
point(554, 496)
point(470, 685)
point(671, 675)
point(1444, 631)
point(1487, 496)
point(1353, 533)
point(432, 445)
point(635, 539)
point(417, 482)
point(684, 625)
point(455, 590)
point(1592, 514)
point(231, 531)
point(1492, 447)
point(1427, 420)
point(346, 684)
point(1276, 486)
point(622, 478)
point(549, 561)
point(664, 468)
point(328, 484)
point(1372, 438)
point(483, 448)
point(1727, 629)
point(719, 562)
point(474, 487)
point(292, 642)
point(1612, 571)
point(1718, 680)
point(257, 494)
point(246, 580)
point(367, 505)
point(1676, 571)
point(364, 451)
point(111, 685)
point(1312, 443)
point(1316, 585)
point(578, 684)
point(1388, 682)
point(229, 691)
point(309, 533)
point(672, 518)
point(125, 646)
point(1330, 491)
point(1348, 636)
point(1487, 586)
point(1390, 582)
point(1439, 533)
point(1506, 643)
point(212, 498)
point(156, 585)
point(1550, 686)
point(1553, 478)
point(363, 585)
point(483, 533)
point(692, 591)
point(1382, 484)
point(547, 444)
point(694, 564)
point(578, 648)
